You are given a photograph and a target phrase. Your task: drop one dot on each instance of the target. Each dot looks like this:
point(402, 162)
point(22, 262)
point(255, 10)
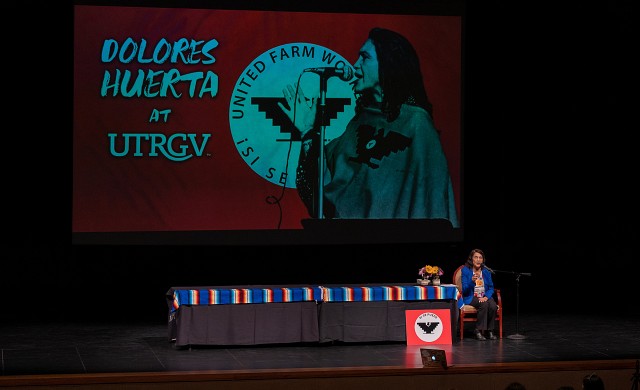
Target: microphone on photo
point(344, 73)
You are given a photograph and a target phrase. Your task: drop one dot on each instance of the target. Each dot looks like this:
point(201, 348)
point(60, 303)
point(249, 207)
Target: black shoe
point(479, 335)
point(492, 336)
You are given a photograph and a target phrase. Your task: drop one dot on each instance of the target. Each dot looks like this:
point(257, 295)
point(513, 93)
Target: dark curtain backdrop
point(549, 168)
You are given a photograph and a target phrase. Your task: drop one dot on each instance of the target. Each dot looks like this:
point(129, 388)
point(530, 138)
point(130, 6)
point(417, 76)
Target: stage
point(558, 351)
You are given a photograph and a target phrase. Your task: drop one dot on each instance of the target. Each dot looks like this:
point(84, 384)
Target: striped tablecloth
point(229, 296)
point(365, 293)
point(390, 293)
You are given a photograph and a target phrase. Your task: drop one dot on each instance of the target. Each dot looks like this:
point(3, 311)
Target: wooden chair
point(469, 313)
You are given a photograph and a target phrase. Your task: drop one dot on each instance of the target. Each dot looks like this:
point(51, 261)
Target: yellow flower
point(430, 271)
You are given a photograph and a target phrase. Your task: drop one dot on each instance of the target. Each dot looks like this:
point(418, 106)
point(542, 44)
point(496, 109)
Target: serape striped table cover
point(391, 293)
point(229, 296)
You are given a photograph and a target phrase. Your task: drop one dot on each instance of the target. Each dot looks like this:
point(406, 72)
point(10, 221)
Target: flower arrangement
point(430, 271)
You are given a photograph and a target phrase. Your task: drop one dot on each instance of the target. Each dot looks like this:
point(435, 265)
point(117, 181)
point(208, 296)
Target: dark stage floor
point(80, 348)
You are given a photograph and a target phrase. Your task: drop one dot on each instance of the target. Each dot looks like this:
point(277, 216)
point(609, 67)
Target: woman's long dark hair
point(469, 262)
point(399, 73)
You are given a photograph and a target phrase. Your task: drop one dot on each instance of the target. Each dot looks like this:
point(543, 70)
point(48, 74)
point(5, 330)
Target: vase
point(436, 281)
point(423, 282)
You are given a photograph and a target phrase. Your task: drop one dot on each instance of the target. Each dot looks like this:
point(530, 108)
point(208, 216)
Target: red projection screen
point(178, 139)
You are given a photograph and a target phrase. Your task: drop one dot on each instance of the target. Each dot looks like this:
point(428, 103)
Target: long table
point(246, 315)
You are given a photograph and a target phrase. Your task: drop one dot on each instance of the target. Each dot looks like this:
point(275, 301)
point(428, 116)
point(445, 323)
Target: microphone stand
point(516, 336)
point(323, 103)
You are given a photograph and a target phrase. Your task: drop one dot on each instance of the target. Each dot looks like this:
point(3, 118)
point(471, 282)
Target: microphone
point(345, 73)
point(490, 270)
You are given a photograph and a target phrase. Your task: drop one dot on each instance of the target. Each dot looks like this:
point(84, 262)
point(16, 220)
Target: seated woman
point(477, 291)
